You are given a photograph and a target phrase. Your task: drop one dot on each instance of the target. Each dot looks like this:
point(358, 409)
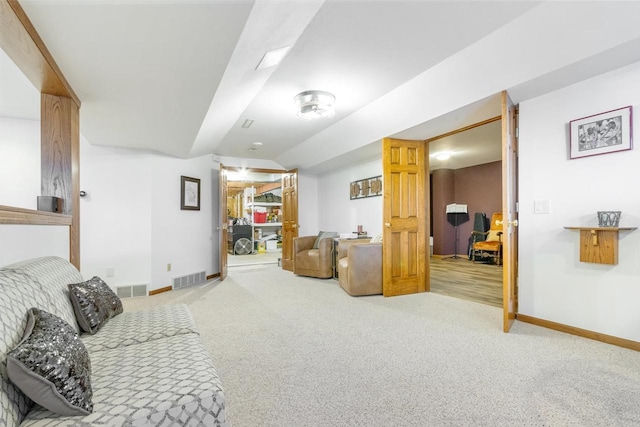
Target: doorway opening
point(466, 182)
point(254, 217)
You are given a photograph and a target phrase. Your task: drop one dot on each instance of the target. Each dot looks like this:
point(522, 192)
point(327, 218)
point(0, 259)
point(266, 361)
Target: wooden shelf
point(11, 215)
point(599, 245)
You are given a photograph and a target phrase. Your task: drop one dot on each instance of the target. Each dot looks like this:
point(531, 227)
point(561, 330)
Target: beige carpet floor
point(295, 351)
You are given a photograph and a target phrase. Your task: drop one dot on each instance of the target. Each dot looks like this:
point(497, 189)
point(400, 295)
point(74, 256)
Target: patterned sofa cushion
point(164, 382)
point(134, 327)
point(54, 275)
point(19, 294)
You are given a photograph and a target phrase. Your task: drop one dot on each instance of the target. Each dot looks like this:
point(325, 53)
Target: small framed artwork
point(368, 187)
point(189, 193)
point(601, 133)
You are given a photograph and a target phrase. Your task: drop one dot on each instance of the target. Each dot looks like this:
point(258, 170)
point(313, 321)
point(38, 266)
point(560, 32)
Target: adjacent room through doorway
point(254, 218)
point(466, 182)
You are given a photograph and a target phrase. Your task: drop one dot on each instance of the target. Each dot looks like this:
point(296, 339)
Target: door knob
point(387, 224)
point(514, 222)
point(294, 226)
point(498, 222)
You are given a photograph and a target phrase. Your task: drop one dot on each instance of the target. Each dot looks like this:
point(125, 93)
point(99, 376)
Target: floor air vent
point(189, 279)
point(131, 291)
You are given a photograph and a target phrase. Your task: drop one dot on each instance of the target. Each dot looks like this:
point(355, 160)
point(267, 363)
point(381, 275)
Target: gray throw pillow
point(324, 235)
point(94, 303)
point(51, 365)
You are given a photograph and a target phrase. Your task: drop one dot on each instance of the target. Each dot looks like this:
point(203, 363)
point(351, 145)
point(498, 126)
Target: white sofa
point(148, 368)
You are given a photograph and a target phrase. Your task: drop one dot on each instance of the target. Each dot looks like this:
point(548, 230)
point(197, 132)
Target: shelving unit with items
point(263, 210)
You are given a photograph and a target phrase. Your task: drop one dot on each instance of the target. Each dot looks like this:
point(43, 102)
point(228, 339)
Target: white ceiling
point(178, 77)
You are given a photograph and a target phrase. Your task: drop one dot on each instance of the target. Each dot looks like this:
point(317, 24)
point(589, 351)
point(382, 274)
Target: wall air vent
point(189, 279)
point(132, 291)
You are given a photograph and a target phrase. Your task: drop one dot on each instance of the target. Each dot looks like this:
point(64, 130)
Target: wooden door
point(223, 223)
point(289, 216)
point(405, 257)
point(510, 211)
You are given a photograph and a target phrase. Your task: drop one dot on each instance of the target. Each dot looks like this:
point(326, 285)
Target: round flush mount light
point(315, 104)
point(255, 146)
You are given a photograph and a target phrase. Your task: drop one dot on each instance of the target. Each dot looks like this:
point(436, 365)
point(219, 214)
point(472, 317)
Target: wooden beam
point(21, 42)
point(475, 125)
point(11, 215)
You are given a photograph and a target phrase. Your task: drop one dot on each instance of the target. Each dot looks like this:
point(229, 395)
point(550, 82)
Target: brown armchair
point(489, 244)
point(360, 267)
point(310, 261)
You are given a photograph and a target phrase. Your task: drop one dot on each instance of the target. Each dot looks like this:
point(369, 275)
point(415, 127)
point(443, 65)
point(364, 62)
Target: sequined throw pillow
point(51, 365)
point(94, 303)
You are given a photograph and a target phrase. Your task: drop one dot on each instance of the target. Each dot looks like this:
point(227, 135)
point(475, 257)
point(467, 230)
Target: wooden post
point(60, 161)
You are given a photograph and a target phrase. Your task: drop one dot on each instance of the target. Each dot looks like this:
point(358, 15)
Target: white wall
point(183, 238)
point(19, 187)
point(338, 212)
point(20, 242)
point(19, 162)
point(131, 220)
point(311, 207)
point(115, 216)
point(553, 284)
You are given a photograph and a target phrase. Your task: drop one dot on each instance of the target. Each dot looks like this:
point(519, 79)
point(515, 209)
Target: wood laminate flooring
point(461, 278)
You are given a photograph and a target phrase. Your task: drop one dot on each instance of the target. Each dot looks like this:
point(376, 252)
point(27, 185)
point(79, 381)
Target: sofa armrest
point(365, 257)
point(324, 249)
point(303, 243)
point(344, 245)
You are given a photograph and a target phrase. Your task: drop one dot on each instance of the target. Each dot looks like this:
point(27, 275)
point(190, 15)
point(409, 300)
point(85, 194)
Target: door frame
point(222, 244)
point(510, 177)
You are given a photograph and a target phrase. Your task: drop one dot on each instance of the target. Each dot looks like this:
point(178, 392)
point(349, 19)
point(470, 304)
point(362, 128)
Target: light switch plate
point(541, 206)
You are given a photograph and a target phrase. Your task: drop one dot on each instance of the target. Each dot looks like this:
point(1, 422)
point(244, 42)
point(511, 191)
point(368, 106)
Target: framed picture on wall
point(602, 133)
point(189, 193)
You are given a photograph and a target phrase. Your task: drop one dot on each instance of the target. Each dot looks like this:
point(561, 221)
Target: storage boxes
point(259, 217)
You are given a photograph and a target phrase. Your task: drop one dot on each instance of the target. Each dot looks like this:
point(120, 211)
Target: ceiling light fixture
point(445, 155)
point(255, 146)
point(314, 104)
point(273, 57)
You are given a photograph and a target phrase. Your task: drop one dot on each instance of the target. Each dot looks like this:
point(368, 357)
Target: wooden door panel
point(290, 216)
point(222, 194)
point(510, 214)
point(405, 260)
